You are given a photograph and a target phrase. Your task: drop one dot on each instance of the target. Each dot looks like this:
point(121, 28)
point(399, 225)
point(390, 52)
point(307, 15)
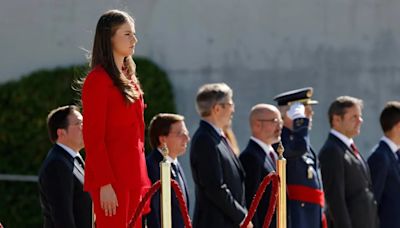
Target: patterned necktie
point(179, 178)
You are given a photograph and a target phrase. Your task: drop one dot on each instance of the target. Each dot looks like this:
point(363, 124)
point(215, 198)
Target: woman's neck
point(119, 61)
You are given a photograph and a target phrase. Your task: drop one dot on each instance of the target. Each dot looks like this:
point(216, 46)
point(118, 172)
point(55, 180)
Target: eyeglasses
point(274, 120)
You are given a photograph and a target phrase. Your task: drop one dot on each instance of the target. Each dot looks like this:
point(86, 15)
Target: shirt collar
point(169, 159)
point(342, 137)
point(218, 130)
point(264, 146)
point(70, 151)
point(390, 143)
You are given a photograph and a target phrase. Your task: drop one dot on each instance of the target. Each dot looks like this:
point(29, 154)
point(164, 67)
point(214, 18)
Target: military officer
point(304, 185)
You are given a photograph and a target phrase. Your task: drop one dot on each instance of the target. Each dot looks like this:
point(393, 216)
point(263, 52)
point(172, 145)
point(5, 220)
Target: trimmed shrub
point(24, 143)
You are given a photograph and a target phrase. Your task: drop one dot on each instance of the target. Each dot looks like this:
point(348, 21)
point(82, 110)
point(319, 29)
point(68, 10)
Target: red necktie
point(355, 150)
point(271, 154)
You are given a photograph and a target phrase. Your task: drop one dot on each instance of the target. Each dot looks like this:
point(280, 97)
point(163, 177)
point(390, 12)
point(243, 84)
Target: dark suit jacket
point(347, 185)
point(63, 201)
point(154, 218)
point(257, 165)
point(219, 181)
point(385, 173)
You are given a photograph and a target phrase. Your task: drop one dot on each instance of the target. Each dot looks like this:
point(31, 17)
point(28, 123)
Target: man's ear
point(397, 127)
point(258, 125)
point(336, 119)
point(162, 139)
point(216, 108)
point(60, 132)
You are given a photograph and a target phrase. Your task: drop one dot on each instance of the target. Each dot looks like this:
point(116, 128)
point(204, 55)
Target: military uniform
point(304, 184)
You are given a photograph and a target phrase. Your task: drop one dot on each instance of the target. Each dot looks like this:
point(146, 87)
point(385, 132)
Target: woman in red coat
point(113, 128)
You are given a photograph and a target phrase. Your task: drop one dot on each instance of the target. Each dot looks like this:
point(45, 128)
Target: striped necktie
point(79, 171)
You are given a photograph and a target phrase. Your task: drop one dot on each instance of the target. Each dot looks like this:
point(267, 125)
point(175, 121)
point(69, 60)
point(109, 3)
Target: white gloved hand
point(296, 110)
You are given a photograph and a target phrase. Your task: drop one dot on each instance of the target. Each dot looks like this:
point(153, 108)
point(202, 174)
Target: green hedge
point(24, 143)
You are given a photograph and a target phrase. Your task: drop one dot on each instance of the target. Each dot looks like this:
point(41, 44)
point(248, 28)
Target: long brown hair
point(102, 54)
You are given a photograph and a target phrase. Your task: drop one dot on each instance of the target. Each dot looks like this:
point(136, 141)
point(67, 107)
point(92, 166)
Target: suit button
point(302, 204)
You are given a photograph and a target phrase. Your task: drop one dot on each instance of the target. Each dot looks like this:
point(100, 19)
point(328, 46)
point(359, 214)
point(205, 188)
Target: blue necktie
point(398, 156)
point(179, 178)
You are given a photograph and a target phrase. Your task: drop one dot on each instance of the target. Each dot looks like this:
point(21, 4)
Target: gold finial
point(280, 150)
point(164, 151)
point(309, 93)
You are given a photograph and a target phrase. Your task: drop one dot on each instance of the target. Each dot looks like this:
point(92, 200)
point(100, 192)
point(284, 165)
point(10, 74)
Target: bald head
point(265, 123)
point(260, 110)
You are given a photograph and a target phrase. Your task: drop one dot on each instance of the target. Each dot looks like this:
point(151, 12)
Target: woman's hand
point(108, 200)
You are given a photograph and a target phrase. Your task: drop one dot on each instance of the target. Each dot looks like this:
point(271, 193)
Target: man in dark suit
point(345, 174)
point(63, 201)
point(385, 167)
point(217, 172)
point(259, 158)
point(168, 131)
point(304, 184)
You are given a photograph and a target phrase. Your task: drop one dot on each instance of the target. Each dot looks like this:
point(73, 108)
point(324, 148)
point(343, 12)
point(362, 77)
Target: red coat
point(113, 133)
